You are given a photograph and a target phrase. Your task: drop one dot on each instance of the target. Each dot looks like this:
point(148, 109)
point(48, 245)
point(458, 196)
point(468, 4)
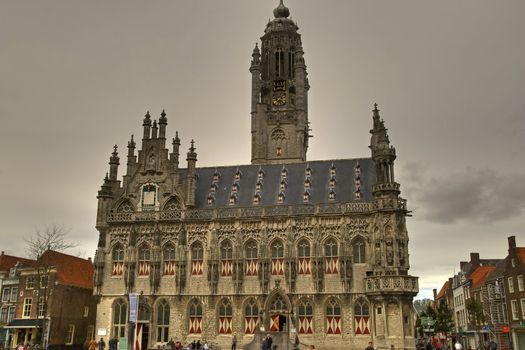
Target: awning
point(24, 323)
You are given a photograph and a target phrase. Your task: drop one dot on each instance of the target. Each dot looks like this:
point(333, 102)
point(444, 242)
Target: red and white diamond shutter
point(251, 317)
point(305, 312)
point(303, 253)
point(226, 258)
point(277, 248)
point(144, 260)
point(251, 258)
point(118, 260)
point(333, 317)
point(168, 256)
point(330, 251)
point(197, 267)
point(195, 326)
point(361, 318)
point(225, 317)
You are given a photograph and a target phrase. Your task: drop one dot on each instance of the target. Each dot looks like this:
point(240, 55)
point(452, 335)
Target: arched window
point(118, 260)
point(226, 258)
point(291, 64)
point(144, 260)
point(149, 196)
point(333, 317)
point(163, 322)
point(359, 251)
point(277, 310)
point(120, 312)
point(168, 256)
point(172, 204)
point(225, 317)
point(195, 317)
point(125, 207)
point(197, 255)
point(251, 258)
point(279, 62)
point(277, 257)
point(361, 318)
point(330, 252)
point(251, 317)
point(305, 313)
point(303, 254)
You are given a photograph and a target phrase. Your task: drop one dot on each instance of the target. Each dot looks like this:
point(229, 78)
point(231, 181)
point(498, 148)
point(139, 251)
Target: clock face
point(279, 100)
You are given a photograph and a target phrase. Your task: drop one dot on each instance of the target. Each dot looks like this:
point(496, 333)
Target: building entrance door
point(278, 314)
point(142, 336)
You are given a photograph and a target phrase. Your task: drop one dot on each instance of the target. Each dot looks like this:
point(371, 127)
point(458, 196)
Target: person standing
point(113, 343)
point(101, 345)
point(234, 342)
point(370, 346)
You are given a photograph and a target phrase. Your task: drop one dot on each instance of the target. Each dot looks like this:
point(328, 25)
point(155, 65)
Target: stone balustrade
point(389, 284)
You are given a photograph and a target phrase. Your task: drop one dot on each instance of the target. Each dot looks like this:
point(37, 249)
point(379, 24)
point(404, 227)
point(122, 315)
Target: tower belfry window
point(279, 63)
point(291, 64)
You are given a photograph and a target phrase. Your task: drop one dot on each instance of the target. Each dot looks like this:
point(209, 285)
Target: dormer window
point(233, 199)
point(213, 188)
point(258, 187)
point(235, 187)
point(256, 199)
point(357, 194)
point(280, 197)
point(216, 176)
point(332, 183)
point(238, 175)
point(331, 195)
point(284, 173)
point(332, 170)
point(282, 186)
point(357, 170)
point(307, 184)
point(260, 175)
point(357, 182)
point(308, 172)
point(210, 200)
point(306, 196)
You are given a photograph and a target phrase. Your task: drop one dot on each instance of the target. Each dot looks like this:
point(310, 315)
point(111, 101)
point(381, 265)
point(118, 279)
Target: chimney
point(450, 283)
point(89, 259)
point(512, 242)
point(434, 291)
point(462, 265)
point(474, 260)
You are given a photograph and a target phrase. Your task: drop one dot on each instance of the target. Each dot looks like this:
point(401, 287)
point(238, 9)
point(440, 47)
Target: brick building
point(55, 304)
point(515, 292)
point(313, 249)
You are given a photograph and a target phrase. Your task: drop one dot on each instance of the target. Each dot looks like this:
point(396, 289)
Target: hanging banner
point(133, 307)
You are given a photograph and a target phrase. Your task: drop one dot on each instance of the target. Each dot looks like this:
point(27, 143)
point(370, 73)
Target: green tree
point(444, 318)
point(475, 312)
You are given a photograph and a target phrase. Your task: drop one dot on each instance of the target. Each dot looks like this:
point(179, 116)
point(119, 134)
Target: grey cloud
point(480, 195)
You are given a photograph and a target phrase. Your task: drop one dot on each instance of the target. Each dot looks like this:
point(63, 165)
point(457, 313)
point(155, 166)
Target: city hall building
point(314, 252)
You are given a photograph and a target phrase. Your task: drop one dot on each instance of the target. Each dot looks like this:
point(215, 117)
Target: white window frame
point(14, 294)
point(510, 282)
point(522, 308)
point(514, 309)
point(6, 292)
point(86, 311)
point(70, 334)
point(3, 314)
point(30, 282)
point(90, 332)
point(11, 313)
point(26, 311)
point(41, 307)
point(520, 283)
point(44, 281)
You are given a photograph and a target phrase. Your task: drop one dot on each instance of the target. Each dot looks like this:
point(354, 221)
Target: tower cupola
point(281, 11)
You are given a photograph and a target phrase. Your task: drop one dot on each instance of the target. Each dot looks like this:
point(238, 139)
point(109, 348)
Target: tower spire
point(114, 162)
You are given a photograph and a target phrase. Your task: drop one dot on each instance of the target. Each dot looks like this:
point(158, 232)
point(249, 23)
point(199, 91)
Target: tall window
point(514, 307)
point(11, 313)
point(44, 281)
point(251, 317)
point(333, 317)
point(5, 294)
point(277, 258)
point(90, 332)
point(14, 293)
point(361, 318)
point(522, 308)
point(279, 62)
point(30, 282)
point(70, 334)
point(144, 260)
point(306, 313)
point(163, 322)
point(119, 319)
point(195, 317)
point(520, 283)
point(118, 260)
point(41, 307)
point(149, 195)
point(359, 251)
point(27, 307)
point(511, 285)
point(226, 258)
point(291, 64)
point(303, 254)
point(225, 317)
point(330, 252)
point(251, 258)
point(196, 259)
point(168, 256)
point(3, 314)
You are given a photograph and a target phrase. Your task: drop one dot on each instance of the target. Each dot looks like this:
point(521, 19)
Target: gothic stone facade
point(315, 249)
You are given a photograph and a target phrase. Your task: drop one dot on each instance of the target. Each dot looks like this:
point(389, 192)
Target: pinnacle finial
point(115, 150)
point(163, 114)
point(281, 11)
point(192, 147)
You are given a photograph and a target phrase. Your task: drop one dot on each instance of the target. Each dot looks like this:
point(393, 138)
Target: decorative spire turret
point(131, 155)
point(163, 121)
point(281, 11)
point(114, 162)
point(105, 189)
point(154, 130)
point(147, 126)
point(383, 155)
point(174, 156)
point(191, 175)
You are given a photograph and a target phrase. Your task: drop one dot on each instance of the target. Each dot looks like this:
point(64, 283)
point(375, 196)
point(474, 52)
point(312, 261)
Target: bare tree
point(53, 237)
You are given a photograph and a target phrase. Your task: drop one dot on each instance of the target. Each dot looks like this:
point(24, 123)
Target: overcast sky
point(76, 77)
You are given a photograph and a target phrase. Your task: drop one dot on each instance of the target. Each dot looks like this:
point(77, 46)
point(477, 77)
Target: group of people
point(101, 344)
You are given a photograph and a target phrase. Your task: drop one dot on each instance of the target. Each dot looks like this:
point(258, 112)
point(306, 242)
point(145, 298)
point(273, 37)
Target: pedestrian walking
point(370, 346)
point(234, 342)
point(113, 343)
point(101, 345)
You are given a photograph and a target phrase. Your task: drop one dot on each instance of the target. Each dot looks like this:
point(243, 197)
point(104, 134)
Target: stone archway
point(278, 313)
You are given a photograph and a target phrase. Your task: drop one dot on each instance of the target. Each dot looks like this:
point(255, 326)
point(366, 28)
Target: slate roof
point(71, 270)
point(344, 189)
point(479, 275)
point(498, 272)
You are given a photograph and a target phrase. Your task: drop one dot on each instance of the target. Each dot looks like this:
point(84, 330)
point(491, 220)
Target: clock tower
point(279, 107)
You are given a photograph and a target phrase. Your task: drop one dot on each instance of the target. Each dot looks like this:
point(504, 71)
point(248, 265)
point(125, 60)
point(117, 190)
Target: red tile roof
point(480, 274)
point(9, 261)
point(71, 270)
point(443, 290)
point(520, 252)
